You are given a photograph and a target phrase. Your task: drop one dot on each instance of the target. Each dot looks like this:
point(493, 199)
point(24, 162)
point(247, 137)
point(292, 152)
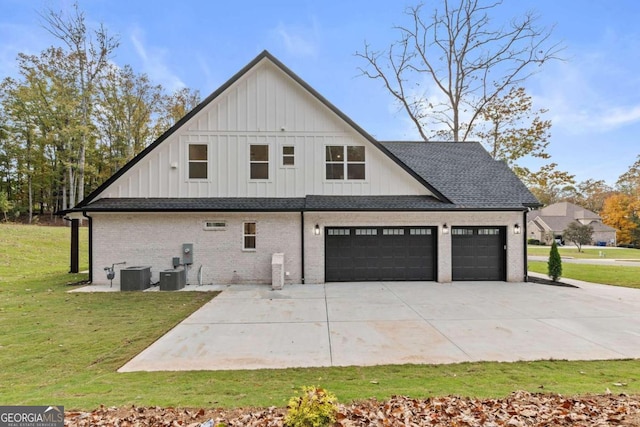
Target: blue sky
point(593, 97)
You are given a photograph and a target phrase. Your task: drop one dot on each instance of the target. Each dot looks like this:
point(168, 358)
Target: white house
point(266, 165)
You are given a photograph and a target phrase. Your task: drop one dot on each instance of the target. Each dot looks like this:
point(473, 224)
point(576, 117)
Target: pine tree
point(554, 266)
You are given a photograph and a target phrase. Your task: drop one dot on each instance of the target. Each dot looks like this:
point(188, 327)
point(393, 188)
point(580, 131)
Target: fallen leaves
point(520, 409)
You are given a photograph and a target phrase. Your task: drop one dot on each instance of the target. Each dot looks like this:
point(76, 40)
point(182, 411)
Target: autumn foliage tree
point(621, 212)
point(511, 130)
point(622, 209)
point(70, 117)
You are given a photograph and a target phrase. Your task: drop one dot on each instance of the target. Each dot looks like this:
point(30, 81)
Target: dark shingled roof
point(257, 204)
point(465, 173)
point(368, 203)
point(193, 204)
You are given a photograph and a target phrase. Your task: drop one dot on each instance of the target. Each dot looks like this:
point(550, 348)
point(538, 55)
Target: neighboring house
point(550, 222)
point(266, 165)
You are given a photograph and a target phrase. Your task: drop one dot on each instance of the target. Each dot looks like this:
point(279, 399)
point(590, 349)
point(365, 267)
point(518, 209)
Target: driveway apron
point(374, 323)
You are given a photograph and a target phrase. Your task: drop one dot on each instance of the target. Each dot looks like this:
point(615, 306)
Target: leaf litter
point(519, 409)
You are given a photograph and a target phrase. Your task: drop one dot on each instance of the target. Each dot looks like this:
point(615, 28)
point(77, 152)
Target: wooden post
point(75, 246)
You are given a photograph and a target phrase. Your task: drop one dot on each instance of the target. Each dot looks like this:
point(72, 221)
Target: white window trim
point(268, 163)
point(282, 156)
point(208, 162)
point(214, 225)
point(345, 163)
point(244, 249)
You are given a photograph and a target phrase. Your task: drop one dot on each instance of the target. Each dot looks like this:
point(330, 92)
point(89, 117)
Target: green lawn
point(588, 253)
point(61, 348)
point(605, 274)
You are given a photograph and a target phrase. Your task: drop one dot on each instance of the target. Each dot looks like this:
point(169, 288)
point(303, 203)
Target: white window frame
point(214, 225)
point(245, 235)
point(289, 156)
point(190, 161)
point(260, 162)
point(345, 162)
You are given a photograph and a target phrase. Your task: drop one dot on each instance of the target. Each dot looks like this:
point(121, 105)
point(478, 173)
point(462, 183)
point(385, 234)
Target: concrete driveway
point(341, 324)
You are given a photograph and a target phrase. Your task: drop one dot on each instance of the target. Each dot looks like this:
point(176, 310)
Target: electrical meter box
point(187, 253)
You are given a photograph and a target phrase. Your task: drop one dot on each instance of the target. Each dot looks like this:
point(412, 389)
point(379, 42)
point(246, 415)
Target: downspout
point(90, 220)
point(302, 244)
point(524, 238)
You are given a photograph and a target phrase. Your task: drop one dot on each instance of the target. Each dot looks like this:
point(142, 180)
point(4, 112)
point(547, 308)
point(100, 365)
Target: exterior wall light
point(316, 230)
point(517, 229)
point(445, 229)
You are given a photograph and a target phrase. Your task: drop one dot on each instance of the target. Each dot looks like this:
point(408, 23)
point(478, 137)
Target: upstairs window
point(198, 161)
point(344, 162)
point(259, 161)
point(288, 155)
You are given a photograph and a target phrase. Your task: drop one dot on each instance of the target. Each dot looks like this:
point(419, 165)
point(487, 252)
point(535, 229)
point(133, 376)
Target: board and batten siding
point(264, 106)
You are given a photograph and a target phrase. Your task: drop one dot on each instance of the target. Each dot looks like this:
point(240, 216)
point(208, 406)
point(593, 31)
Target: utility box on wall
point(187, 253)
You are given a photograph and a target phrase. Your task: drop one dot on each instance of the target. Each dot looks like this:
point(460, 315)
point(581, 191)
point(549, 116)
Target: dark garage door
point(478, 253)
point(379, 253)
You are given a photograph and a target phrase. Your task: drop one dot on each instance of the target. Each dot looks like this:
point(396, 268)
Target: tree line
point(71, 118)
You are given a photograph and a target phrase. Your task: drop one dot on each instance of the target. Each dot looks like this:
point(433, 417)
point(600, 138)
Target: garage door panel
point(478, 253)
point(379, 253)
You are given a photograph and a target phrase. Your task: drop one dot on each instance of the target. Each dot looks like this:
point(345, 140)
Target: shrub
point(315, 408)
point(533, 242)
point(554, 266)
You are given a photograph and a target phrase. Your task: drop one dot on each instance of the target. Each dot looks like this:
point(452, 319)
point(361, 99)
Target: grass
point(61, 348)
point(606, 274)
point(587, 253)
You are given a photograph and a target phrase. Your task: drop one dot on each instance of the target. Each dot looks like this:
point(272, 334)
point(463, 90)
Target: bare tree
point(90, 55)
point(464, 61)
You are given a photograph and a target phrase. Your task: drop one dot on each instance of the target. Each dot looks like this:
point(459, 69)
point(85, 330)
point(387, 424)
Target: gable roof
point(559, 215)
point(262, 56)
point(465, 173)
point(459, 175)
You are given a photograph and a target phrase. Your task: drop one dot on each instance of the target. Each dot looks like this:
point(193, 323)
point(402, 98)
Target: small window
point(198, 161)
point(366, 232)
point(338, 231)
point(288, 155)
point(462, 231)
point(249, 236)
point(489, 231)
point(215, 225)
point(393, 232)
point(344, 162)
point(420, 231)
point(259, 161)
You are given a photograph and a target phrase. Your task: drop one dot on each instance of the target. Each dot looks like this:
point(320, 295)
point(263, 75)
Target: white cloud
point(154, 62)
point(298, 40)
point(593, 91)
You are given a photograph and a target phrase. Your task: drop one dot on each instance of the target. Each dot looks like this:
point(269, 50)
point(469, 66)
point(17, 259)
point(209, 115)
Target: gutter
point(90, 221)
point(302, 246)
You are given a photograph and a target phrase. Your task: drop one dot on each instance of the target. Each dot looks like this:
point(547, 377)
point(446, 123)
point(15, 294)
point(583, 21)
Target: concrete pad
point(341, 324)
point(105, 287)
point(356, 311)
point(390, 342)
point(252, 310)
point(190, 347)
point(619, 335)
point(509, 340)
